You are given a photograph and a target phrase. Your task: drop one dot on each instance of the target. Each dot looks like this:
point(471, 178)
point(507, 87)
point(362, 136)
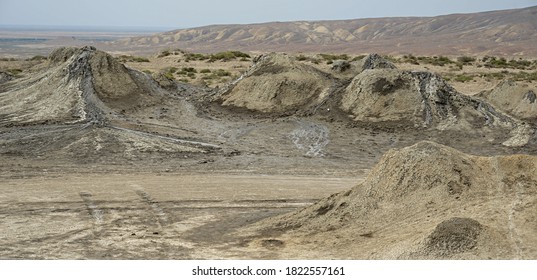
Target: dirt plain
point(100, 161)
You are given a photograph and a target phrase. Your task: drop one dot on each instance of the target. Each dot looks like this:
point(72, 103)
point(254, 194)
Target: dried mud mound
point(425, 100)
point(80, 85)
point(89, 145)
point(512, 98)
point(375, 61)
point(420, 99)
point(454, 236)
point(423, 201)
point(348, 69)
point(277, 83)
point(88, 107)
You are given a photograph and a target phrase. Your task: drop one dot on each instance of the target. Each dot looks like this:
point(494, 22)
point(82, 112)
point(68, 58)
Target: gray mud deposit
point(99, 161)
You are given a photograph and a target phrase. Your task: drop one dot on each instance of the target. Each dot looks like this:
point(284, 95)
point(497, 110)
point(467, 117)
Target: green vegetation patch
point(37, 58)
point(221, 56)
point(130, 58)
point(463, 78)
point(14, 72)
point(501, 62)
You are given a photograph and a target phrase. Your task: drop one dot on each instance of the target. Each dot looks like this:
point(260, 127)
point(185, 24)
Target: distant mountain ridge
point(504, 32)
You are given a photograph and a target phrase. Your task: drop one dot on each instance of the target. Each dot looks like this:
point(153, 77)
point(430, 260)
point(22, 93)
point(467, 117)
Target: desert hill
point(506, 32)
point(422, 201)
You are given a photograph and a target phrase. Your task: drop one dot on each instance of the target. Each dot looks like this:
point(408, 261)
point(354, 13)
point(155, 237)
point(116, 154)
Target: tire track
point(513, 231)
point(94, 211)
point(161, 216)
point(511, 210)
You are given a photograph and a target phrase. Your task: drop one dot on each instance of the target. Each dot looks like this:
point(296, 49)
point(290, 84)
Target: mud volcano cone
point(425, 201)
point(79, 85)
point(279, 84)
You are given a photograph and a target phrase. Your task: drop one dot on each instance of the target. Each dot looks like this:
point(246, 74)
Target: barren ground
point(177, 178)
point(146, 216)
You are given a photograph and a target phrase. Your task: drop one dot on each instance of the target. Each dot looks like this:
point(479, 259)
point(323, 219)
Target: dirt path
point(146, 216)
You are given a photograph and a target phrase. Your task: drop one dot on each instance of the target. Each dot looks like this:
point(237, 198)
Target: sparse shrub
point(494, 76)
point(409, 58)
point(189, 70)
point(466, 60)
point(37, 58)
point(332, 57)
point(196, 56)
point(130, 58)
point(169, 75)
point(14, 72)
point(494, 62)
point(169, 72)
point(140, 59)
point(441, 61)
point(228, 55)
point(222, 73)
point(301, 58)
point(435, 60)
point(359, 57)
point(205, 71)
point(463, 78)
point(224, 56)
point(525, 76)
point(391, 58)
point(164, 53)
point(520, 64)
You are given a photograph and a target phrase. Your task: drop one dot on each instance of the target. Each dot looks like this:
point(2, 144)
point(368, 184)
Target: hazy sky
point(181, 14)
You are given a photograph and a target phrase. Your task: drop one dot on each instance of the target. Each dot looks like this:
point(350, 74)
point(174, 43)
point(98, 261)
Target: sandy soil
point(146, 216)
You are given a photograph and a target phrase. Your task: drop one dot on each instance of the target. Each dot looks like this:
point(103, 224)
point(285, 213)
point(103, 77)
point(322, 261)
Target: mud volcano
point(423, 201)
point(86, 106)
point(279, 84)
